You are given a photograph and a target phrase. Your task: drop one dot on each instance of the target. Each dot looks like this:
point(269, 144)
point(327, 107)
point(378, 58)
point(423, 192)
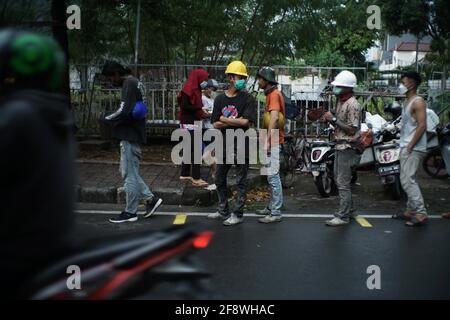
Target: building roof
point(411, 46)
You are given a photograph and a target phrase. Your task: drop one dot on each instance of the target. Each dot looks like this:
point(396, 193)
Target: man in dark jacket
point(36, 148)
point(130, 131)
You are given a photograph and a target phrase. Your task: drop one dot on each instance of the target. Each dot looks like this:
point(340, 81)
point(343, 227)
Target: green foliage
point(421, 17)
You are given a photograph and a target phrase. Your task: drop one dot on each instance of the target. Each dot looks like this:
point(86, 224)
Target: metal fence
point(91, 100)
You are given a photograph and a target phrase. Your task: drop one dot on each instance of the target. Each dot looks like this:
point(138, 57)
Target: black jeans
point(187, 169)
point(242, 184)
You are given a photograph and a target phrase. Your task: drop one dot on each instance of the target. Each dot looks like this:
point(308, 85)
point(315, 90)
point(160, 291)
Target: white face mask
point(402, 89)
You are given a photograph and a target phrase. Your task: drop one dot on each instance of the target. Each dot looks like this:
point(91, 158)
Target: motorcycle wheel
point(395, 189)
point(325, 184)
point(287, 171)
point(433, 164)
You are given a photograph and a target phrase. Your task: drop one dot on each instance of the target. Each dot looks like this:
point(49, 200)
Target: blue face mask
point(203, 85)
point(240, 84)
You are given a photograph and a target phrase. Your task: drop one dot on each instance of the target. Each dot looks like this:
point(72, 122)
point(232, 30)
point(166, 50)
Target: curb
point(186, 196)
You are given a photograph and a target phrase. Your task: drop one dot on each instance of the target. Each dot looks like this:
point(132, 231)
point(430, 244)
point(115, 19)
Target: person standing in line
point(275, 111)
point(413, 147)
point(191, 111)
point(208, 106)
point(233, 110)
point(347, 121)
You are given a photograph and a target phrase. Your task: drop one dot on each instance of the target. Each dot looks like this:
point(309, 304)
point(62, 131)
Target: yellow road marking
point(180, 219)
point(363, 222)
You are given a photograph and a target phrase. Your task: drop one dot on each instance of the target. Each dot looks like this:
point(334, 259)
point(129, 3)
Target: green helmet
point(34, 61)
point(268, 74)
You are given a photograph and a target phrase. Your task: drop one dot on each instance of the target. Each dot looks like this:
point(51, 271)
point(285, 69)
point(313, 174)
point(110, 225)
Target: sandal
point(200, 183)
point(407, 215)
point(415, 222)
point(446, 215)
point(182, 178)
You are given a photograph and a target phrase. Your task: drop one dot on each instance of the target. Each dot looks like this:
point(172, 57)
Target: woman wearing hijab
point(191, 110)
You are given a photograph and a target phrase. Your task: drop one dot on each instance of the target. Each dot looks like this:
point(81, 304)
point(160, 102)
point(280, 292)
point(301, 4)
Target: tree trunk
point(59, 29)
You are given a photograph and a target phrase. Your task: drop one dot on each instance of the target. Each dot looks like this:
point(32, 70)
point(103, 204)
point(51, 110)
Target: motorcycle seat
point(323, 144)
point(388, 146)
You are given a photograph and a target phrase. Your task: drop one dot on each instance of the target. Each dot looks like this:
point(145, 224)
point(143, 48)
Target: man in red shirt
point(274, 114)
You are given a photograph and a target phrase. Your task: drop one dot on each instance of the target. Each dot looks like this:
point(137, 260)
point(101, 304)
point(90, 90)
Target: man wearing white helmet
point(347, 121)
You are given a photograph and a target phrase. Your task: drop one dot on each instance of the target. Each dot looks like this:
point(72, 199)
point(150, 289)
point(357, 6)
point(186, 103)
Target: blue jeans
point(273, 178)
point(135, 187)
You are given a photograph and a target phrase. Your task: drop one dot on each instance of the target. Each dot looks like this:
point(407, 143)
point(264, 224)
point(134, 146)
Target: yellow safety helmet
point(237, 67)
point(266, 120)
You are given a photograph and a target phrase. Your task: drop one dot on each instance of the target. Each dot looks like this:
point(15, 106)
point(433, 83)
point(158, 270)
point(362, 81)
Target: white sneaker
point(270, 219)
point(263, 212)
point(336, 222)
point(233, 220)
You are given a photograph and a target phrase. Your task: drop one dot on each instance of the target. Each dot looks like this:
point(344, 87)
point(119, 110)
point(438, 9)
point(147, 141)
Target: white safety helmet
point(345, 79)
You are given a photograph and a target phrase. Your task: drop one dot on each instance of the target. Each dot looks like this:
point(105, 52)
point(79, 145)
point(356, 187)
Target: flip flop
point(185, 178)
point(403, 216)
point(416, 222)
point(200, 184)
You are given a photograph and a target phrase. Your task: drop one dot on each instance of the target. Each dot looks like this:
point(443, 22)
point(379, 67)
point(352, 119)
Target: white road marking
point(286, 215)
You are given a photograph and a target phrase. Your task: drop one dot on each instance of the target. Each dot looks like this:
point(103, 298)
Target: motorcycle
point(159, 265)
point(322, 165)
point(383, 154)
point(435, 163)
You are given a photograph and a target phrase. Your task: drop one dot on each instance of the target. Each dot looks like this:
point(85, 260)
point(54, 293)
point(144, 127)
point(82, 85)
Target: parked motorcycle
point(158, 265)
point(383, 154)
point(322, 164)
point(435, 164)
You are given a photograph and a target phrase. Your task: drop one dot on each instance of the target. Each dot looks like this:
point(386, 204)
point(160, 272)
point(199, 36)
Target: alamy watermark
point(374, 280)
point(74, 20)
point(374, 20)
point(74, 279)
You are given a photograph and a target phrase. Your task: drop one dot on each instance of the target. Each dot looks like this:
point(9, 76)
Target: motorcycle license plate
point(319, 167)
point(387, 170)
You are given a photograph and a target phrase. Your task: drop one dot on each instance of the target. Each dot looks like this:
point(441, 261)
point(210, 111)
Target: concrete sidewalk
point(100, 182)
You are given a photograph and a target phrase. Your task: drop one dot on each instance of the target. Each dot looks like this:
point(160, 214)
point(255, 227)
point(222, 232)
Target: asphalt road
point(301, 258)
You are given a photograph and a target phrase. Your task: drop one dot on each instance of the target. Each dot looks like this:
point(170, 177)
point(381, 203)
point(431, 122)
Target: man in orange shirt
point(274, 113)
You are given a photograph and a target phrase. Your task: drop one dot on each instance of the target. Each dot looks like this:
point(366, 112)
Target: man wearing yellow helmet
point(275, 110)
point(233, 110)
